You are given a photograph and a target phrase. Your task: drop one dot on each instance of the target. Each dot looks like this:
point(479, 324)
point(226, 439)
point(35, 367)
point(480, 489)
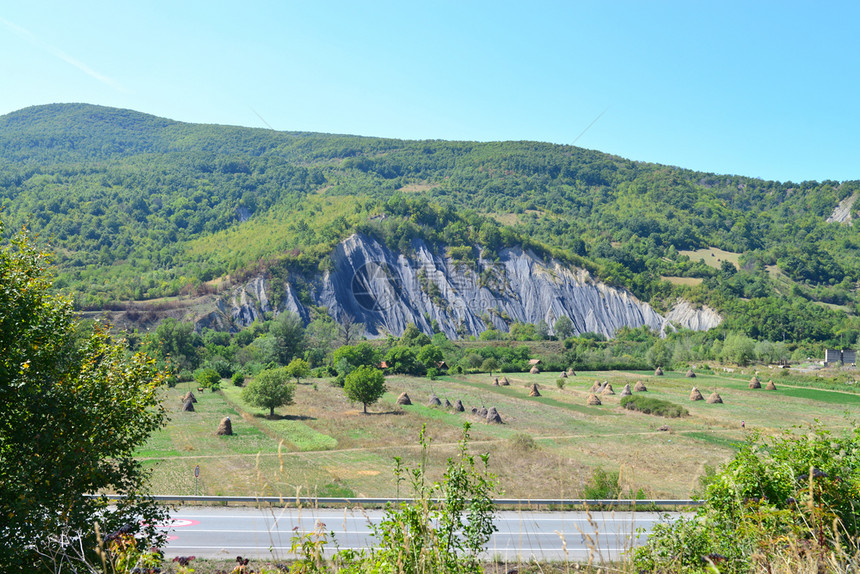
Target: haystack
point(626, 392)
point(434, 402)
point(714, 399)
point(188, 407)
point(770, 386)
point(639, 387)
point(493, 416)
point(571, 373)
point(225, 428)
point(663, 428)
point(474, 410)
point(189, 396)
point(458, 406)
point(534, 370)
point(448, 404)
point(504, 382)
point(593, 400)
point(595, 387)
point(482, 412)
point(534, 392)
point(658, 372)
point(496, 382)
point(563, 374)
point(755, 383)
point(695, 395)
point(607, 389)
point(691, 374)
point(404, 399)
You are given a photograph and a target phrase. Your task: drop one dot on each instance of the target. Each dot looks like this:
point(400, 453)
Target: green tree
point(270, 389)
point(289, 333)
point(74, 406)
point(738, 349)
point(298, 368)
point(364, 385)
point(430, 355)
point(563, 327)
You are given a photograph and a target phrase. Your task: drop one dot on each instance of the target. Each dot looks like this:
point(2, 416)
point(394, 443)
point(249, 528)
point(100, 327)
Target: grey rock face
point(386, 291)
point(686, 316)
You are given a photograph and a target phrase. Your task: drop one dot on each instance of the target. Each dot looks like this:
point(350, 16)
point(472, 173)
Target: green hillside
point(138, 207)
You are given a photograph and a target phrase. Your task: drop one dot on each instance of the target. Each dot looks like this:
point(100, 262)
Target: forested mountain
point(138, 208)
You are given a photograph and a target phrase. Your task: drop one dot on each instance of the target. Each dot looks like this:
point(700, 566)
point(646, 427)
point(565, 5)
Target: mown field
point(548, 446)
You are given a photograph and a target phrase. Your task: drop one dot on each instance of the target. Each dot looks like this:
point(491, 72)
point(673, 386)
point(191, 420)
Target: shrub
point(207, 377)
point(792, 500)
point(238, 379)
point(523, 442)
point(560, 383)
point(651, 406)
point(602, 485)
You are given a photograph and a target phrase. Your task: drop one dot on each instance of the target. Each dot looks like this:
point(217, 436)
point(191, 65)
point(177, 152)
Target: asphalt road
point(267, 533)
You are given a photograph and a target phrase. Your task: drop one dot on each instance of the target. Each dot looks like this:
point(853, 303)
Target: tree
point(563, 327)
point(289, 332)
point(74, 406)
point(364, 385)
point(348, 329)
point(269, 390)
point(298, 368)
point(430, 355)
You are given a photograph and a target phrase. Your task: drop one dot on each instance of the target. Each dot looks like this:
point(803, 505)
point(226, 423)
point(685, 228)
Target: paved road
point(228, 532)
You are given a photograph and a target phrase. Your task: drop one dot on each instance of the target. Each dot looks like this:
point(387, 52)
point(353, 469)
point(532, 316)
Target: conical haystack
point(434, 402)
point(607, 389)
point(482, 412)
point(404, 399)
point(448, 404)
point(563, 374)
point(504, 382)
point(714, 399)
point(691, 374)
point(571, 373)
point(188, 407)
point(474, 410)
point(595, 387)
point(639, 387)
point(755, 383)
point(770, 386)
point(534, 392)
point(593, 400)
point(658, 372)
point(695, 395)
point(493, 416)
point(225, 428)
point(189, 396)
point(496, 382)
point(663, 428)
point(626, 392)
point(534, 370)
point(458, 406)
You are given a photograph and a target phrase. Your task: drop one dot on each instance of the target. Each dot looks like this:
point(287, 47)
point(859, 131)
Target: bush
point(238, 379)
point(651, 406)
point(523, 442)
point(432, 373)
point(207, 377)
point(792, 500)
point(560, 383)
point(602, 485)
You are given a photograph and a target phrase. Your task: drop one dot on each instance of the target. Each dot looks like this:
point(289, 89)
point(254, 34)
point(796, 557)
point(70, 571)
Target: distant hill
point(140, 208)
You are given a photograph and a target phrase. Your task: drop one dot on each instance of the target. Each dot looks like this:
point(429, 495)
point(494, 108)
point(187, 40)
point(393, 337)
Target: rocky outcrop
point(842, 212)
point(684, 315)
point(386, 291)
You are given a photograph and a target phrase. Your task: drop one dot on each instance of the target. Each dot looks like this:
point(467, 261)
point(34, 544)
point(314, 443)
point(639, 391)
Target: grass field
point(324, 446)
point(713, 256)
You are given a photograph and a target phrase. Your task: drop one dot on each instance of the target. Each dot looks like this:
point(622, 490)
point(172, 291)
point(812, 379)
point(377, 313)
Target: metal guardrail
point(327, 501)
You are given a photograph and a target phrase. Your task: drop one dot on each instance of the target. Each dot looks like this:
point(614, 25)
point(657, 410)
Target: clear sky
point(764, 89)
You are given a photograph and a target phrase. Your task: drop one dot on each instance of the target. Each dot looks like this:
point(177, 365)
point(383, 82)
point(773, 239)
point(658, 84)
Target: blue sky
point(764, 89)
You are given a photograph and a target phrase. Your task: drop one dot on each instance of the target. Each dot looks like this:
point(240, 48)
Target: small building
point(841, 357)
point(442, 366)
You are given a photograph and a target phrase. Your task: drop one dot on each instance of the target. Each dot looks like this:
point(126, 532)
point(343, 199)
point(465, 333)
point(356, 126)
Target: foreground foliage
point(74, 405)
point(651, 406)
point(781, 505)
